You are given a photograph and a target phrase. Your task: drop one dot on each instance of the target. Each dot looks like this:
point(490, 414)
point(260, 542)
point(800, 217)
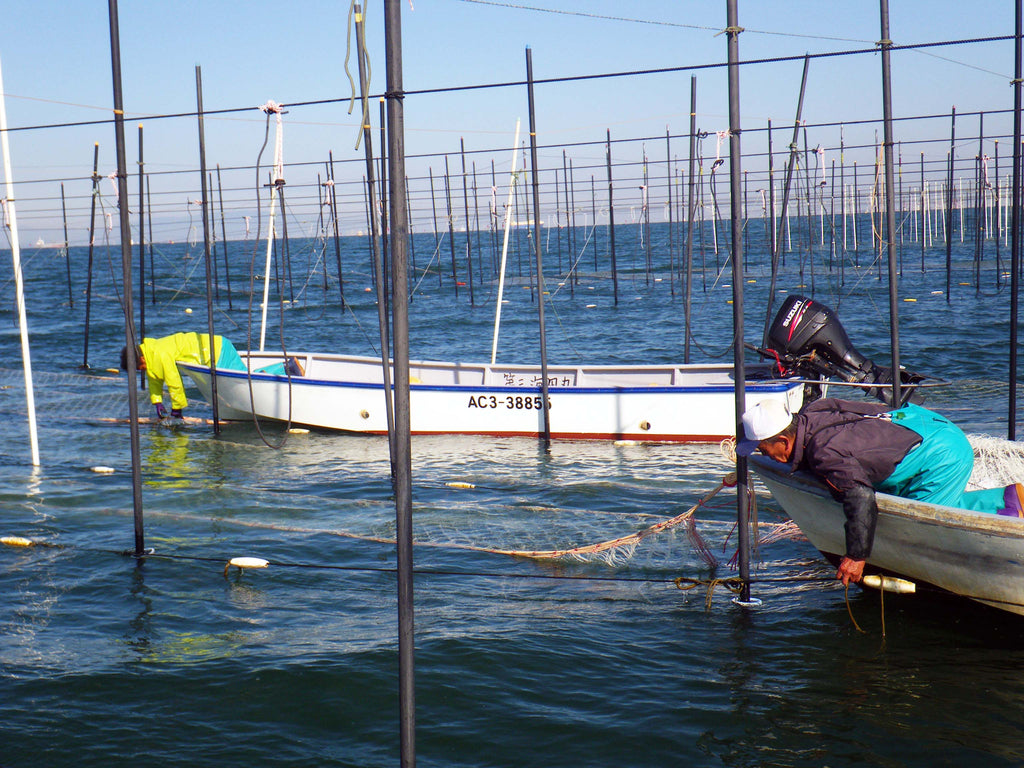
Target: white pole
point(504, 246)
point(278, 179)
point(18, 280)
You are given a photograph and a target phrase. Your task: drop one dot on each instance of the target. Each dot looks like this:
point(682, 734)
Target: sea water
point(178, 660)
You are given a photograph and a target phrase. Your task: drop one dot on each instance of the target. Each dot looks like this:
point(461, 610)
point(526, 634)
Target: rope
point(734, 585)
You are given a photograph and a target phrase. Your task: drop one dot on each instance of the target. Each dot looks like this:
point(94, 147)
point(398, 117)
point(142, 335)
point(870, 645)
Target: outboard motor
point(807, 339)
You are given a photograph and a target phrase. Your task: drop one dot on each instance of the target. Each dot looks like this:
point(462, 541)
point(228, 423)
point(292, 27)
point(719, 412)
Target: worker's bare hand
point(850, 570)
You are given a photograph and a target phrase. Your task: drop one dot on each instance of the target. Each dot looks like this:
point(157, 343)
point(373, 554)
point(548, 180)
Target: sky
point(56, 66)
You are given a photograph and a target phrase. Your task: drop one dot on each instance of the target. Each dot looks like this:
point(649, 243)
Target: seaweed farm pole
point(1015, 222)
point(149, 218)
point(504, 243)
point(921, 230)
point(537, 252)
point(949, 205)
point(771, 233)
point(337, 244)
point(206, 247)
point(997, 224)
point(67, 253)
point(465, 206)
point(142, 244)
point(732, 31)
point(979, 204)
point(378, 268)
point(126, 268)
point(570, 218)
point(794, 153)
point(400, 315)
point(691, 205)
point(92, 238)
point(890, 209)
point(451, 225)
point(668, 189)
point(437, 242)
point(611, 218)
point(383, 203)
point(223, 238)
point(412, 236)
point(593, 216)
point(277, 181)
point(30, 400)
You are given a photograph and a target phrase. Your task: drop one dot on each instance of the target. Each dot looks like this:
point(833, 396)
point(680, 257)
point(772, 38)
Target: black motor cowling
point(807, 339)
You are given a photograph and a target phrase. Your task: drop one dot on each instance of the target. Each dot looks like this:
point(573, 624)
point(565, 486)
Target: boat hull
point(970, 554)
point(643, 403)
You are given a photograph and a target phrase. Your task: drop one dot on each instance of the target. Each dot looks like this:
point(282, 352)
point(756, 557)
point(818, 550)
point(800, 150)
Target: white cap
point(766, 419)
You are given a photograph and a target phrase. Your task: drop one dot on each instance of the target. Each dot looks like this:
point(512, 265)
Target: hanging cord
point(364, 119)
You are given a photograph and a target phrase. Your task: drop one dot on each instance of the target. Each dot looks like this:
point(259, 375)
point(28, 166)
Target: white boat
point(970, 554)
point(651, 403)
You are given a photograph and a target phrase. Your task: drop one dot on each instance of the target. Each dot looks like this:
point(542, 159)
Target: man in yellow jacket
point(159, 358)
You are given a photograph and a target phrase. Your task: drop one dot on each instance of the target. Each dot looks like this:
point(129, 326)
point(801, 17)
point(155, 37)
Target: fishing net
point(997, 462)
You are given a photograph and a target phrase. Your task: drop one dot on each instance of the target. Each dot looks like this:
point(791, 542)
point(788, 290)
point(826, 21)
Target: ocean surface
point(179, 661)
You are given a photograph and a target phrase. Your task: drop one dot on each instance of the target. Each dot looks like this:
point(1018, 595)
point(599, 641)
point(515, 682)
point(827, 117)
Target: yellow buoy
point(16, 541)
point(459, 484)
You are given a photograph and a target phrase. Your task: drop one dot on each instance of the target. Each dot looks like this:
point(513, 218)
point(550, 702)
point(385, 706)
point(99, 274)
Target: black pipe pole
point(611, 219)
point(142, 243)
point(206, 248)
point(890, 210)
point(451, 225)
point(732, 32)
point(921, 231)
point(377, 234)
point(382, 182)
point(67, 252)
point(545, 406)
point(437, 242)
point(224, 238)
point(691, 204)
point(149, 219)
point(794, 154)
point(337, 242)
point(92, 238)
point(949, 205)
point(400, 312)
point(465, 206)
point(126, 269)
point(1015, 222)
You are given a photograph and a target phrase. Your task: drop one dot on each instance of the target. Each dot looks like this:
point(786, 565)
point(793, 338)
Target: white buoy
point(245, 562)
point(889, 584)
point(99, 470)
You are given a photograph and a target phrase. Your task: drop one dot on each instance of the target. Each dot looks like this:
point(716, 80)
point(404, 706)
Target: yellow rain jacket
point(161, 356)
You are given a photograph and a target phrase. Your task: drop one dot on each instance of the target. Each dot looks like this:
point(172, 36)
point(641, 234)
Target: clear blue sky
point(56, 69)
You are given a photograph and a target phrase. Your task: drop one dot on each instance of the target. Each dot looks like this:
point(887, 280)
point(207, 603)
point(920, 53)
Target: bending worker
point(858, 447)
point(159, 358)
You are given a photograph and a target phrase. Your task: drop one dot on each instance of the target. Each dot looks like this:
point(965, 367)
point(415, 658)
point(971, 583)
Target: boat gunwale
point(754, 385)
point(919, 512)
